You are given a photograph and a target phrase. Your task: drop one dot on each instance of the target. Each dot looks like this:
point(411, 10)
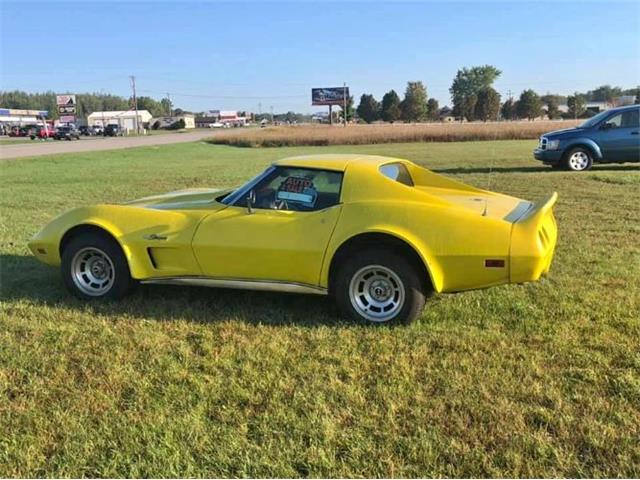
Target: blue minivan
point(612, 136)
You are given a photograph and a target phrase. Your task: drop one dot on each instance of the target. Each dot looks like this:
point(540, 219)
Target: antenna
point(486, 199)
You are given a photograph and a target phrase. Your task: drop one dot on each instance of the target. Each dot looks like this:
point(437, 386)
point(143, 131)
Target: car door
point(620, 136)
point(283, 237)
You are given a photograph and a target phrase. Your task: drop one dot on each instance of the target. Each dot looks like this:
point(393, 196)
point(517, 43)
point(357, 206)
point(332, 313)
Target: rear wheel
point(578, 160)
point(379, 287)
point(93, 267)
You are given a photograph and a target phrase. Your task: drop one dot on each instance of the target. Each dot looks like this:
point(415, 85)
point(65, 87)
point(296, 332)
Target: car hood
point(566, 132)
point(191, 199)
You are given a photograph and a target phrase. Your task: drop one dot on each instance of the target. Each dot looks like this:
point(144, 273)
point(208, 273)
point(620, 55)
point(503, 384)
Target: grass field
point(324, 135)
point(15, 141)
point(523, 380)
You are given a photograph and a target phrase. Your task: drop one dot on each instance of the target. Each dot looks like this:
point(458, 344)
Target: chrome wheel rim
point(92, 271)
point(579, 161)
point(376, 293)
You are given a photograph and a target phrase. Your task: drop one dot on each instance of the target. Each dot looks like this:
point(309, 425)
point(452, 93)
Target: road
point(52, 147)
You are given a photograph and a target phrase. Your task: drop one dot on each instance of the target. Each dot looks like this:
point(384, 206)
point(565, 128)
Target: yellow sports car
point(376, 233)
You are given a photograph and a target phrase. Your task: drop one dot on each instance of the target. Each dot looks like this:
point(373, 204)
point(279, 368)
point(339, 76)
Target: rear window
point(397, 172)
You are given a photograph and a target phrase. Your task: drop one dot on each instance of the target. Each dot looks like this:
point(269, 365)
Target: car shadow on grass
point(23, 278)
point(534, 169)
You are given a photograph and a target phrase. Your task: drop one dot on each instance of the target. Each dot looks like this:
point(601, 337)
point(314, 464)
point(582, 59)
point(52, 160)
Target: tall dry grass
point(322, 135)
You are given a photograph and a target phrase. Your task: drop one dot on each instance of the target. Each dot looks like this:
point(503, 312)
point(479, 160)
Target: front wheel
point(379, 287)
point(94, 267)
point(578, 160)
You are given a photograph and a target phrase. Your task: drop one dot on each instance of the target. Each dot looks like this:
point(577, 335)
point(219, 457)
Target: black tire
point(121, 283)
point(578, 159)
point(413, 286)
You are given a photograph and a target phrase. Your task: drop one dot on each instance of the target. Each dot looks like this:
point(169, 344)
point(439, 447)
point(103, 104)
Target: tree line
point(86, 103)
point(474, 99)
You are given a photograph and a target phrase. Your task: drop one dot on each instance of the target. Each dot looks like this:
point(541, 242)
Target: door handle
point(634, 133)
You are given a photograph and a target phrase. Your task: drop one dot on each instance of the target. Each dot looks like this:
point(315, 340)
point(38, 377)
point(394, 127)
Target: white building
point(125, 119)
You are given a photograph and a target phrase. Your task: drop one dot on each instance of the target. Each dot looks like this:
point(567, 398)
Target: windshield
point(594, 120)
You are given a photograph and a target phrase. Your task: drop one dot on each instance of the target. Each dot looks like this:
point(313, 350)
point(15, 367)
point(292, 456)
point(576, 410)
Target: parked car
point(67, 132)
point(98, 129)
point(43, 132)
point(612, 136)
point(87, 131)
point(376, 233)
point(20, 131)
point(113, 131)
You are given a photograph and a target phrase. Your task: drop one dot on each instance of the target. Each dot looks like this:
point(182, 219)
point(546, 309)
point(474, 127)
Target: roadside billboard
point(68, 100)
point(329, 96)
point(66, 108)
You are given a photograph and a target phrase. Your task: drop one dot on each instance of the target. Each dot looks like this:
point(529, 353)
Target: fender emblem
point(154, 236)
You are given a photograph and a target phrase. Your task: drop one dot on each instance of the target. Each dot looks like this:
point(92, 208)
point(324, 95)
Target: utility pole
point(169, 98)
point(135, 101)
point(344, 103)
point(271, 107)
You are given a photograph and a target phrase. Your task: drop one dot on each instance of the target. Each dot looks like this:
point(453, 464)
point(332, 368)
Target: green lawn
point(522, 380)
point(15, 141)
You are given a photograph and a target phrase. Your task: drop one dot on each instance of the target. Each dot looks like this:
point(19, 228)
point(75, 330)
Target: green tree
point(552, 102)
point(414, 106)
point(391, 107)
point(368, 109)
point(604, 93)
point(577, 105)
point(529, 105)
point(434, 109)
point(487, 106)
point(508, 110)
point(468, 82)
point(166, 106)
point(152, 106)
point(350, 110)
point(468, 107)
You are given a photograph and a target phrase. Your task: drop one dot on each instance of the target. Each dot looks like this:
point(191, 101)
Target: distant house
point(597, 107)
point(623, 100)
point(125, 119)
point(446, 115)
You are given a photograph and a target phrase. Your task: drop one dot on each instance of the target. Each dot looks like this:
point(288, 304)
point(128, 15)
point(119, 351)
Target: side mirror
point(606, 126)
point(251, 199)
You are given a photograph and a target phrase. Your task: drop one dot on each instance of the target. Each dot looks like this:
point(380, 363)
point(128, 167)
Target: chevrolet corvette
point(378, 234)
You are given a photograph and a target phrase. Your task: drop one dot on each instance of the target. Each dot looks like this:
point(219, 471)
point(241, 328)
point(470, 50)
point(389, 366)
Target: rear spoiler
point(536, 211)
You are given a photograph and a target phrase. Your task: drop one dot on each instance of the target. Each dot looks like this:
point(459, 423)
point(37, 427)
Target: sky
point(258, 56)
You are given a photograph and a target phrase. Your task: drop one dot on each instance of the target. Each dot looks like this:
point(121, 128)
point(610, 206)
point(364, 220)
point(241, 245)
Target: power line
point(229, 97)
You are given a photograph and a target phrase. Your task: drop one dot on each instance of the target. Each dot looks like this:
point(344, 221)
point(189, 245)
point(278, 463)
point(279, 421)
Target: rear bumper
point(548, 156)
point(533, 243)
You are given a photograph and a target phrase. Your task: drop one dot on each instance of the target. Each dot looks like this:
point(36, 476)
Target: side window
point(626, 119)
point(297, 189)
point(630, 119)
point(397, 172)
point(615, 121)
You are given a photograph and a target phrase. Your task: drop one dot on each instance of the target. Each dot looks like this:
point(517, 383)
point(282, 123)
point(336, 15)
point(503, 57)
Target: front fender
point(130, 226)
